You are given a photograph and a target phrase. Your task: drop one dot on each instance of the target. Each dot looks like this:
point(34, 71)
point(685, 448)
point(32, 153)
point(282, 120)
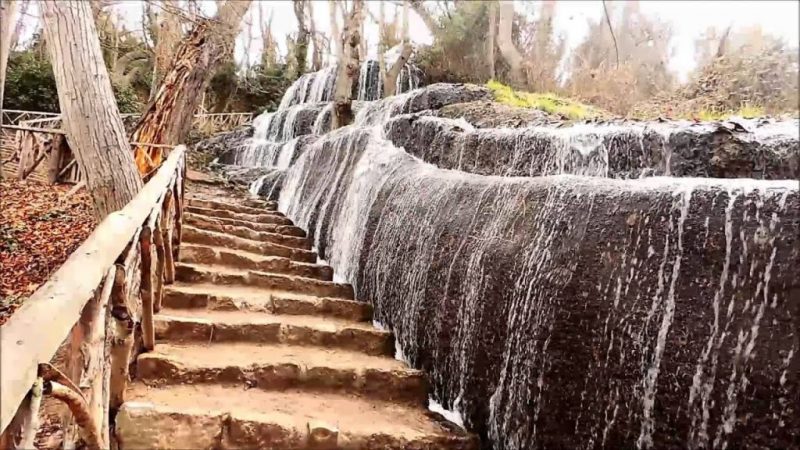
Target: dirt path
point(257, 347)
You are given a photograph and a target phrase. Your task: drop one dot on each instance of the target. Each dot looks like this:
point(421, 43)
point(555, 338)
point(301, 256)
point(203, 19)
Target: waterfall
point(558, 295)
point(551, 309)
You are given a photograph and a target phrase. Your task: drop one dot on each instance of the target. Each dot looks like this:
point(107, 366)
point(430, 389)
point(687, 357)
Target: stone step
point(275, 218)
point(213, 416)
point(193, 325)
point(279, 366)
point(208, 224)
point(244, 298)
point(229, 206)
point(199, 221)
point(202, 273)
point(194, 235)
point(203, 254)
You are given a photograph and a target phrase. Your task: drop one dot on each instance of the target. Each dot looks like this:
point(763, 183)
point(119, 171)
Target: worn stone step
point(201, 273)
point(280, 366)
point(194, 235)
point(200, 221)
point(246, 298)
point(276, 218)
point(204, 254)
point(230, 206)
point(222, 417)
point(193, 325)
point(248, 233)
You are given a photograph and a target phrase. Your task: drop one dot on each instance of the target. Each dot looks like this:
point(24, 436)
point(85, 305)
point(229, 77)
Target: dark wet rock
point(219, 145)
point(567, 311)
point(490, 114)
point(623, 150)
point(431, 97)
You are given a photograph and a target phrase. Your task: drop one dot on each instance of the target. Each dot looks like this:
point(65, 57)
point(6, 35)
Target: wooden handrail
point(34, 333)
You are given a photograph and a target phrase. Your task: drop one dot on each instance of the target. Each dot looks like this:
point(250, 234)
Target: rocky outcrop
point(625, 150)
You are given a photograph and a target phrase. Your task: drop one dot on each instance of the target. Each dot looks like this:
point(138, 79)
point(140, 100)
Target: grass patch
point(549, 103)
point(746, 111)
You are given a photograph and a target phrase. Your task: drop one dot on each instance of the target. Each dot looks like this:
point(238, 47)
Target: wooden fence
point(215, 123)
point(121, 268)
point(32, 144)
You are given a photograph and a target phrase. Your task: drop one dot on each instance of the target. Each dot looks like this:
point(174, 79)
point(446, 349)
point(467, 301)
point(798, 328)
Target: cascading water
point(564, 311)
point(550, 310)
point(306, 109)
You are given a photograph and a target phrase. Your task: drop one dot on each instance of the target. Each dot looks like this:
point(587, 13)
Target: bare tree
point(336, 35)
point(348, 68)
point(491, 42)
point(168, 36)
point(505, 42)
point(301, 42)
point(91, 118)
point(390, 81)
point(269, 56)
point(168, 119)
point(316, 38)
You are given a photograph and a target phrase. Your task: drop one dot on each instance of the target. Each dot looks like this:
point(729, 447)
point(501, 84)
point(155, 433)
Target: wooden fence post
point(122, 343)
point(146, 287)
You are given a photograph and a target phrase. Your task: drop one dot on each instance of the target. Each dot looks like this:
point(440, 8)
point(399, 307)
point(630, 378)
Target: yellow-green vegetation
point(746, 111)
point(548, 102)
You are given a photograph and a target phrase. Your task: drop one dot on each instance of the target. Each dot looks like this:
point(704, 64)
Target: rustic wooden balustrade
point(89, 310)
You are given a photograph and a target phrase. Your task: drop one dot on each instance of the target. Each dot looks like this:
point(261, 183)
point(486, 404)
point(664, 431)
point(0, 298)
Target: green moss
point(548, 102)
point(746, 111)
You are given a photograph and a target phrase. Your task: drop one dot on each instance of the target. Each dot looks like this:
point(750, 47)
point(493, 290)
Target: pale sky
point(688, 18)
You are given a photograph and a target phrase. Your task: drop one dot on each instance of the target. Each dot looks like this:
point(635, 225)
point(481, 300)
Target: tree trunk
point(336, 35)
point(390, 82)
point(168, 119)
point(269, 55)
point(316, 56)
point(7, 10)
point(301, 43)
point(168, 37)
point(382, 45)
point(490, 43)
point(505, 42)
point(91, 119)
point(348, 68)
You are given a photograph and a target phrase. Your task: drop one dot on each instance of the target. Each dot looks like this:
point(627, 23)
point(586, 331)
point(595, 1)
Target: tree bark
point(316, 55)
point(168, 118)
point(348, 69)
point(382, 44)
point(91, 119)
point(7, 10)
point(168, 37)
point(490, 43)
point(301, 43)
point(505, 42)
point(390, 82)
point(336, 35)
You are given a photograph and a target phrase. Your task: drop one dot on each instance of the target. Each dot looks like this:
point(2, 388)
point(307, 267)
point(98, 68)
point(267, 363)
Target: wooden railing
point(215, 123)
point(122, 268)
point(15, 116)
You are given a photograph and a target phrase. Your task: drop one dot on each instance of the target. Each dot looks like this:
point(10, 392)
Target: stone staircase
point(257, 347)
